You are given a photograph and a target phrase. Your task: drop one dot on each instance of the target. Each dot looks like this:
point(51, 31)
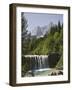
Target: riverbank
point(46, 72)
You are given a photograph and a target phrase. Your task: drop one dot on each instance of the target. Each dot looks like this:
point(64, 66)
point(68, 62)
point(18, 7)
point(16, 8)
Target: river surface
point(39, 66)
point(38, 62)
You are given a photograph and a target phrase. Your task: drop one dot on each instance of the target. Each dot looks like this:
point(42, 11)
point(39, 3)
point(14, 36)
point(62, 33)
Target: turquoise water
point(42, 72)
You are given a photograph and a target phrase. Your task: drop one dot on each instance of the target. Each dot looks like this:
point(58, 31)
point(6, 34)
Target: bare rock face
point(40, 31)
point(54, 73)
point(53, 59)
point(60, 73)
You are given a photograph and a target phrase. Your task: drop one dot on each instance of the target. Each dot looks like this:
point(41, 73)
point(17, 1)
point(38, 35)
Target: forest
point(52, 41)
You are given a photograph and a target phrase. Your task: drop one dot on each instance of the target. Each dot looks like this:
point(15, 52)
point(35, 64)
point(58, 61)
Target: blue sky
point(41, 19)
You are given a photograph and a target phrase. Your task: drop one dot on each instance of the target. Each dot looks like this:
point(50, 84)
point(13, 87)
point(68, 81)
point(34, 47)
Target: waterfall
point(43, 62)
point(38, 61)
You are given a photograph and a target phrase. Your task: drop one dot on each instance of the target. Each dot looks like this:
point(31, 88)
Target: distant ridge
point(41, 31)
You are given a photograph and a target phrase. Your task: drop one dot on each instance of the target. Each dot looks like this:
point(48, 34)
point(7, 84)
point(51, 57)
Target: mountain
point(41, 31)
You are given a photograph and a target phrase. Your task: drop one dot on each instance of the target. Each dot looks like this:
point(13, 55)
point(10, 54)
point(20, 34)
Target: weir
point(39, 64)
point(38, 61)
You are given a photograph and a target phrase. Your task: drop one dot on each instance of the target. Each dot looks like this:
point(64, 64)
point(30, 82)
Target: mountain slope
point(41, 31)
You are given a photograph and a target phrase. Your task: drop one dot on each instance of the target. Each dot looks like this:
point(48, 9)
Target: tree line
point(51, 42)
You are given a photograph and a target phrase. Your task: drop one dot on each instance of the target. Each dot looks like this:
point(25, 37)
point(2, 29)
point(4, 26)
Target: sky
point(41, 19)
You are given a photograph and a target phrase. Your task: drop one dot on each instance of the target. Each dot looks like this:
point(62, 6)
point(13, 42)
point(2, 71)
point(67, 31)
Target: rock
point(53, 59)
point(53, 73)
point(60, 73)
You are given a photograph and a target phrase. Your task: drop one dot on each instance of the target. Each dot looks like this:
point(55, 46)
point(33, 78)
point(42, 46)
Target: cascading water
point(38, 62)
point(39, 65)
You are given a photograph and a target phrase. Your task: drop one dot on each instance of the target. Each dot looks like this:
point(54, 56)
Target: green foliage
point(51, 42)
point(60, 63)
point(25, 65)
point(25, 36)
point(24, 22)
